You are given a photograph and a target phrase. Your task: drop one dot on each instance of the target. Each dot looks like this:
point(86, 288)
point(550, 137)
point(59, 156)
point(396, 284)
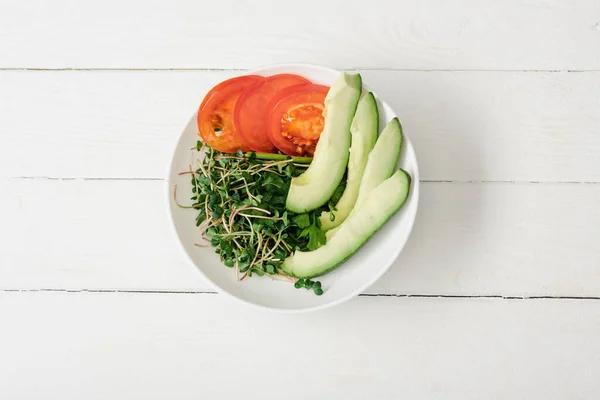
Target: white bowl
point(345, 282)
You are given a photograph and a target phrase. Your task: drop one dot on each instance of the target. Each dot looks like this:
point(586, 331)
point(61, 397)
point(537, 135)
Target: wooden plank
point(465, 125)
point(469, 239)
point(157, 346)
point(464, 34)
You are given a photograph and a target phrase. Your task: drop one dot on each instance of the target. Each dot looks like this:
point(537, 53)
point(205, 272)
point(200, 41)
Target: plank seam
point(343, 69)
point(390, 295)
point(475, 182)
point(53, 290)
point(499, 297)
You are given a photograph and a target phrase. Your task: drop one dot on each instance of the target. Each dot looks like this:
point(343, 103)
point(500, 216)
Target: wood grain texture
point(414, 34)
point(465, 126)
point(496, 239)
point(157, 346)
point(83, 155)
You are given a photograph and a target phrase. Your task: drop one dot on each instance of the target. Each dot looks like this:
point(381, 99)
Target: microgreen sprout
point(240, 201)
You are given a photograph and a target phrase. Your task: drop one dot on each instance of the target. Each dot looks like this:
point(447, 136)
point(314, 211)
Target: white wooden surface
point(161, 346)
point(496, 296)
point(474, 125)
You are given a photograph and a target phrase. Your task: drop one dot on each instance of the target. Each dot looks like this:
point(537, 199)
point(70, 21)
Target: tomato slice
point(296, 120)
point(250, 115)
point(215, 115)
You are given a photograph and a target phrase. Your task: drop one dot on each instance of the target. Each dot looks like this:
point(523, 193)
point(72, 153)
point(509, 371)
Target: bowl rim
point(415, 184)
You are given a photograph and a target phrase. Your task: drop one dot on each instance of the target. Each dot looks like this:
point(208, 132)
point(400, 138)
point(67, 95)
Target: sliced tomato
point(251, 110)
point(296, 120)
point(215, 115)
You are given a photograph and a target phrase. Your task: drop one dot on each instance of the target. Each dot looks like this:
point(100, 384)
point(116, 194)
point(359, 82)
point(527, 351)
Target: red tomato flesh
point(296, 120)
point(251, 110)
point(216, 114)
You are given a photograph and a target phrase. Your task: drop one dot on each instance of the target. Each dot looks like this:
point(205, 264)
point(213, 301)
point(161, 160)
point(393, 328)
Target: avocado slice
point(380, 165)
point(364, 131)
point(378, 207)
point(315, 186)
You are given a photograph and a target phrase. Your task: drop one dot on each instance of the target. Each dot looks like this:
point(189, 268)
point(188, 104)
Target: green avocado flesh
point(380, 165)
point(364, 130)
point(314, 187)
point(379, 206)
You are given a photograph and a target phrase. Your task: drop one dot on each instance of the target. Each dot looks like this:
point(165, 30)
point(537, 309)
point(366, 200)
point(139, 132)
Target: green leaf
point(267, 198)
point(284, 218)
point(280, 226)
point(257, 227)
point(203, 180)
point(338, 192)
point(317, 222)
point(279, 253)
point(316, 237)
point(226, 247)
point(217, 212)
point(305, 232)
point(278, 201)
point(302, 220)
point(289, 170)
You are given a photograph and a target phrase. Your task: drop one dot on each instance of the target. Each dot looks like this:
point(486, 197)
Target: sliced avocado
point(379, 206)
point(380, 165)
point(315, 186)
point(364, 130)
